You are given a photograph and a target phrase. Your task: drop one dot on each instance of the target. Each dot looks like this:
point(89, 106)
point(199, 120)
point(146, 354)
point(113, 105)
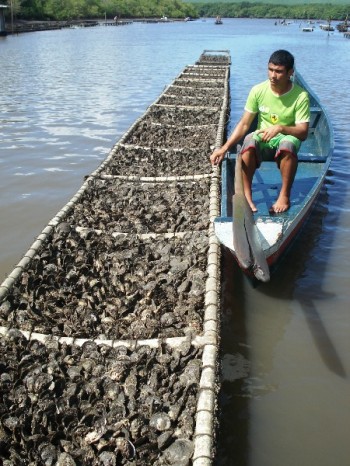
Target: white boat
point(326, 27)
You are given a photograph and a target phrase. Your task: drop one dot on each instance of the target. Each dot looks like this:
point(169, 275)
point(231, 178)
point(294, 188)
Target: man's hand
point(217, 156)
point(268, 133)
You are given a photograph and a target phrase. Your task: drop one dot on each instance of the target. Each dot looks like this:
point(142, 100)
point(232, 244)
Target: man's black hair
point(282, 58)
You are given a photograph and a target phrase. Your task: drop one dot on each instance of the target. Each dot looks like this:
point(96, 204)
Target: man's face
point(278, 75)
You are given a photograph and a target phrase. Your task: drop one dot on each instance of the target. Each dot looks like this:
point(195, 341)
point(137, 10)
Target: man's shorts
point(271, 150)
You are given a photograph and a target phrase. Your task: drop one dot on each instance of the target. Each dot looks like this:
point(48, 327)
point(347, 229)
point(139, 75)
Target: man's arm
point(299, 131)
point(240, 130)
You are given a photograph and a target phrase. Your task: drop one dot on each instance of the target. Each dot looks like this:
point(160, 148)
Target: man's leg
point(288, 168)
point(249, 165)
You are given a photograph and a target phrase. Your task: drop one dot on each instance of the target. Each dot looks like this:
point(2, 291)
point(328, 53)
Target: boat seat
point(302, 157)
point(308, 157)
point(315, 115)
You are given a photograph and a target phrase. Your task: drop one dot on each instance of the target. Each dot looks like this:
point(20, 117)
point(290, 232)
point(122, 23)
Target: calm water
point(67, 96)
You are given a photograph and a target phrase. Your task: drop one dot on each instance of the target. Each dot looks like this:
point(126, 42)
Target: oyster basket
point(110, 322)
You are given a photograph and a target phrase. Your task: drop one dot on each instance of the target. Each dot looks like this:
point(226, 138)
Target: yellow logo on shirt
point(274, 118)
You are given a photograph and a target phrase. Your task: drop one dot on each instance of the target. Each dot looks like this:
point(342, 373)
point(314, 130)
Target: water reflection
point(254, 323)
point(302, 281)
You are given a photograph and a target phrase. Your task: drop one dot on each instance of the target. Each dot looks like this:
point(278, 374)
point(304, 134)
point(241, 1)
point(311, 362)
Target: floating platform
point(109, 324)
point(36, 26)
point(115, 23)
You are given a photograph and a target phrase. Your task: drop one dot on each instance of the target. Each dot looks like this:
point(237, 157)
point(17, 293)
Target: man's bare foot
point(281, 205)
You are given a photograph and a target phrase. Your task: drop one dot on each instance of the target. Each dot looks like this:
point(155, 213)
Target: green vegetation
point(84, 9)
point(278, 2)
point(261, 10)
point(61, 10)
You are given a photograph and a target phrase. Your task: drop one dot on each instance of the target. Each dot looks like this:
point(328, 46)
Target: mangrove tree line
point(85, 9)
point(260, 10)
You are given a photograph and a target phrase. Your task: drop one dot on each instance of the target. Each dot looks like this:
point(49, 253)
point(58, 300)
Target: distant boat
point(326, 27)
point(343, 27)
point(218, 20)
point(308, 29)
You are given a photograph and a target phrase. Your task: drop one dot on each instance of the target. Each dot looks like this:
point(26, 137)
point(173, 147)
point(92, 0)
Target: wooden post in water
point(2, 20)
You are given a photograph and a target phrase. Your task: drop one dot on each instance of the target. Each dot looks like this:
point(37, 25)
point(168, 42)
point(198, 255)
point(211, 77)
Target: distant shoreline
point(21, 26)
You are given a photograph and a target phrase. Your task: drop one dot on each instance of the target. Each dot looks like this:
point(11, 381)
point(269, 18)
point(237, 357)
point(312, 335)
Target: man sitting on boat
point(283, 111)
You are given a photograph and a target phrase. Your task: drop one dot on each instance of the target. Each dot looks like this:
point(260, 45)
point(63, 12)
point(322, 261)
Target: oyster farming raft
point(109, 324)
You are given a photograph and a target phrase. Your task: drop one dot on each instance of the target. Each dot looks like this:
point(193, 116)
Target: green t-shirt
point(288, 109)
